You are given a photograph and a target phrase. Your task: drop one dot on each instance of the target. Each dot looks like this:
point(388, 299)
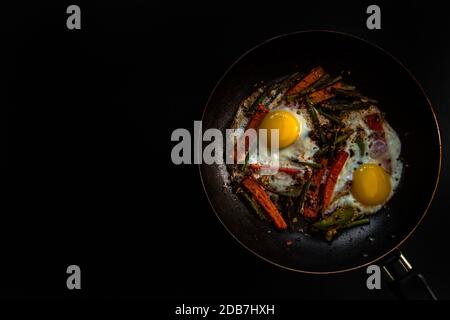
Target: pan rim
point(395, 247)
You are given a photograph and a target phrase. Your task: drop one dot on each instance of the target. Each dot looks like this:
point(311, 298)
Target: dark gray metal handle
point(404, 281)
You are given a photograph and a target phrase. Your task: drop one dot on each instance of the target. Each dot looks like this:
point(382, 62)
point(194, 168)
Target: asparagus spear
point(313, 113)
point(350, 92)
point(336, 219)
point(322, 83)
point(252, 203)
point(356, 223)
point(346, 106)
point(361, 146)
point(328, 116)
point(244, 166)
point(338, 78)
point(308, 164)
point(301, 198)
point(340, 139)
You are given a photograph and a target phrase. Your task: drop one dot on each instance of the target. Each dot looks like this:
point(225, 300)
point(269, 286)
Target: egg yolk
point(286, 123)
point(371, 184)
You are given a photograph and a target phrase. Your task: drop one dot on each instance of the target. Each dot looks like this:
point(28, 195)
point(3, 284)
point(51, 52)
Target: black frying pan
point(377, 74)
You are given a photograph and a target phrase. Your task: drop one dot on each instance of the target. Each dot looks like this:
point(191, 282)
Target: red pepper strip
point(333, 175)
point(311, 207)
point(374, 122)
point(253, 123)
point(289, 170)
point(258, 167)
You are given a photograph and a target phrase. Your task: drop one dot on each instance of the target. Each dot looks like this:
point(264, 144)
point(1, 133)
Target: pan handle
point(405, 282)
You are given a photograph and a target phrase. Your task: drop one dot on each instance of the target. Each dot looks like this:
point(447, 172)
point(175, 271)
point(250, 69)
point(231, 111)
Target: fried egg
point(370, 175)
point(294, 142)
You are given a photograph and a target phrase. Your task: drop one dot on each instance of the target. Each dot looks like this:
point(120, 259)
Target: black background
point(87, 178)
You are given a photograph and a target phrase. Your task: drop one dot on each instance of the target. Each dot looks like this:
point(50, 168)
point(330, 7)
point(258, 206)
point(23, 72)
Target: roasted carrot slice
point(257, 117)
point(253, 123)
point(263, 199)
point(312, 203)
point(256, 120)
point(307, 81)
point(325, 93)
point(331, 180)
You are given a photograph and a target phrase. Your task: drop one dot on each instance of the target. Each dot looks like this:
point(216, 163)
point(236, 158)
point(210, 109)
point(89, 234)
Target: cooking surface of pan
point(407, 109)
